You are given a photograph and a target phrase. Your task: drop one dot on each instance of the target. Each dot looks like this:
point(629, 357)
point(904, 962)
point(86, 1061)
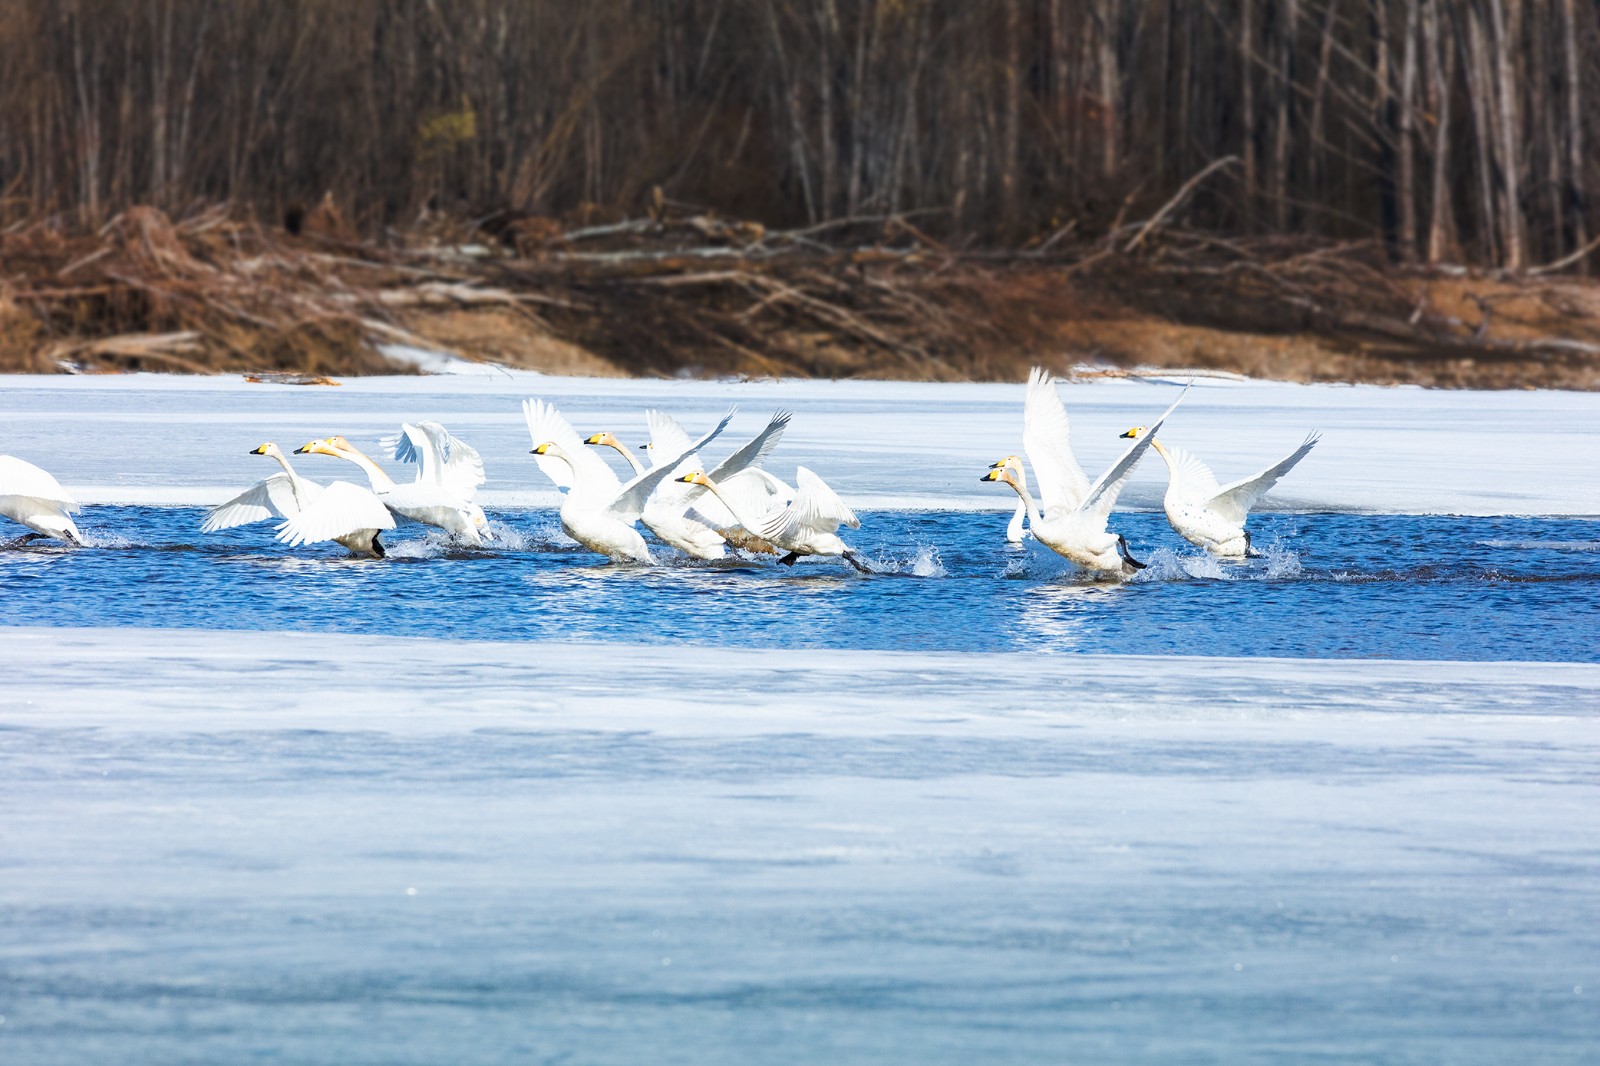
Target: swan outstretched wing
point(1047, 438)
point(341, 509)
point(667, 438)
point(588, 478)
point(629, 502)
point(271, 497)
point(443, 458)
point(1234, 501)
point(730, 475)
point(1102, 495)
point(816, 508)
point(18, 477)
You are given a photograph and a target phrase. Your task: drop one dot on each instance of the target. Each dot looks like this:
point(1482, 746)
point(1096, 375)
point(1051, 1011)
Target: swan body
point(684, 515)
point(1072, 520)
point(807, 524)
point(1209, 515)
point(31, 496)
point(420, 501)
point(597, 510)
point(284, 496)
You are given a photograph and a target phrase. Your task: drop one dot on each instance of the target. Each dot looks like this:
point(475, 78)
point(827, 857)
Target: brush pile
point(696, 294)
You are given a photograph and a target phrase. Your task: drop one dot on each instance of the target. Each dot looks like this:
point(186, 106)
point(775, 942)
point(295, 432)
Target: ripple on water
point(1324, 585)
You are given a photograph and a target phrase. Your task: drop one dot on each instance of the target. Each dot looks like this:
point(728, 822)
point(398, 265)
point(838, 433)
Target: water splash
point(924, 563)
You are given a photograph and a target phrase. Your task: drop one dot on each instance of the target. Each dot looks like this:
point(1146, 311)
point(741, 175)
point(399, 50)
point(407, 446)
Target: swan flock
point(703, 510)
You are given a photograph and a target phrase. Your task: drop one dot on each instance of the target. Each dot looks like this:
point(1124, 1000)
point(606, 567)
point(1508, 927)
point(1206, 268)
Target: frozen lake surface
point(344, 849)
point(705, 815)
point(1329, 585)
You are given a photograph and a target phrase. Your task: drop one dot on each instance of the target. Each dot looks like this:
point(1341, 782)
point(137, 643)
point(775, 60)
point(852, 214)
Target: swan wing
point(1233, 501)
point(444, 459)
point(629, 502)
point(18, 477)
point(340, 510)
point(1102, 495)
point(667, 437)
point(751, 492)
point(816, 508)
point(271, 497)
point(755, 451)
point(588, 478)
point(1047, 438)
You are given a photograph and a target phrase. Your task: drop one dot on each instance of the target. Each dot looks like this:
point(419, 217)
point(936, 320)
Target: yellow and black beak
point(304, 448)
point(993, 474)
point(541, 449)
point(1134, 432)
point(594, 438)
point(258, 450)
point(688, 478)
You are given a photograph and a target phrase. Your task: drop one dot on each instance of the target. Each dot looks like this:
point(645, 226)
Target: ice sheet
point(315, 848)
point(171, 440)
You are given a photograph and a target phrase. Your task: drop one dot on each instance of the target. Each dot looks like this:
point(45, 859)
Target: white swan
point(807, 524)
point(286, 495)
point(666, 510)
point(1209, 515)
point(31, 496)
point(420, 501)
point(1072, 523)
point(682, 514)
point(597, 510)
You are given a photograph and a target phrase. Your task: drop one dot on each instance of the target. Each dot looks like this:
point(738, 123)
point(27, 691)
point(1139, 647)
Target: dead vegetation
point(695, 294)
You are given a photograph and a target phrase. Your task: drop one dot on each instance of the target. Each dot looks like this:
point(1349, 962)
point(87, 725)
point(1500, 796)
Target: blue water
point(1328, 586)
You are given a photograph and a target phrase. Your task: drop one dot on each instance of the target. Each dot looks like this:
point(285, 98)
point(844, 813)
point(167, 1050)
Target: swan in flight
point(597, 510)
point(1209, 515)
point(807, 524)
point(1072, 522)
point(286, 495)
point(682, 514)
point(421, 501)
point(37, 500)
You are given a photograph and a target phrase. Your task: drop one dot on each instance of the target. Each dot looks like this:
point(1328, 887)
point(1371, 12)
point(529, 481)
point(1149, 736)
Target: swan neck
point(381, 482)
point(746, 520)
point(296, 482)
point(1032, 508)
point(633, 461)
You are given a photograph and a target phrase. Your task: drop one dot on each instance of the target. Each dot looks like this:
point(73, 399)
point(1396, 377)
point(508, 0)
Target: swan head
point(1001, 472)
point(335, 446)
point(1008, 461)
point(696, 478)
point(544, 449)
point(268, 448)
point(606, 440)
point(1135, 433)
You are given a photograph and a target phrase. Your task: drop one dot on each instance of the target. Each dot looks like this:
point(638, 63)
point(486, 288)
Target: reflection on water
point(1325, 586)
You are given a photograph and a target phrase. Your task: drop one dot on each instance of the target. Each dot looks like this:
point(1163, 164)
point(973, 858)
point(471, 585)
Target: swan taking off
point(684, 515)
point(421, 501)
point(1210, 516)
point(1072, 522)
point(285, 495)
point(807, 524)
point(597, 510)
point(34, 498)
point(666, 510)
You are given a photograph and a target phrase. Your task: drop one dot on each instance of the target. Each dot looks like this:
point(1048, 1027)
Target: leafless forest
point(1220, 137)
